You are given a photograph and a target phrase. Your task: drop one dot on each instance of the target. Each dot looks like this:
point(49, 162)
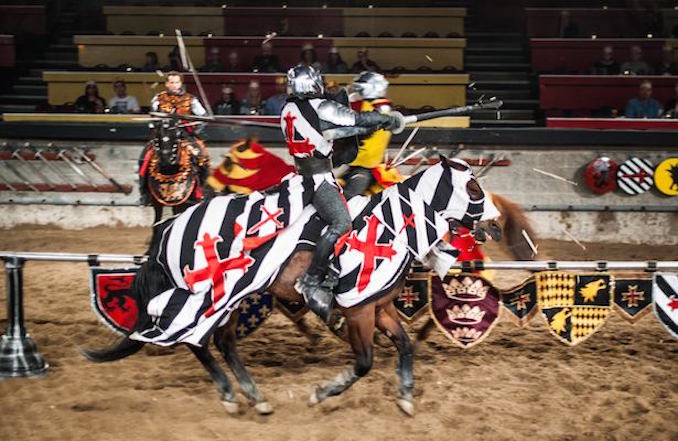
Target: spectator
point(174, 60)
point(607, 65)
point(234, 63)
point(568, 28)
point(213, 62)
point(644, 106)
point(267, 62)
point(672, 105)
point(275, 103)
point(121, 102)
point(637, 66)
point(151, 64)
point(90, 102)
point(228, 104)
point(364, 63)
point(335, 65)
point(253, 104)
point(309, 57)
point(667, 65)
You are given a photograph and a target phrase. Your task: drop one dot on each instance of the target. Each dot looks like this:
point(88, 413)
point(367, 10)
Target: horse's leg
point(361, 336)
point(218, 376)
point(425, 330)
point(225, 341)
point(303, 327)
point(389, 324)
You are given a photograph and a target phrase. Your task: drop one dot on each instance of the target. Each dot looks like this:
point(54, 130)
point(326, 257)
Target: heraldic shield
point(521, 302)
point(665, 300)
point(632, 298)
point(464, 306)
point(111, 297)
point(252, 313)
point(412, 300)
point(574, 305)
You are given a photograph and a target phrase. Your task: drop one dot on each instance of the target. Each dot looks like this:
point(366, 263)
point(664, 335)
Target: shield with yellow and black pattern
point(252, 313)
point(574, 305)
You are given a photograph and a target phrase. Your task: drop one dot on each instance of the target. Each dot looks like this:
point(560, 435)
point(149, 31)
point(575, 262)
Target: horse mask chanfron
point(166, 143)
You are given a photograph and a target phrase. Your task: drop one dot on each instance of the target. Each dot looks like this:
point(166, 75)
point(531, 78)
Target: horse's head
point(166, 143)
point(451, 189)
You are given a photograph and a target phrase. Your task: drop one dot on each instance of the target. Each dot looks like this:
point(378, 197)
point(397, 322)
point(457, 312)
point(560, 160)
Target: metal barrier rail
point(19, 356)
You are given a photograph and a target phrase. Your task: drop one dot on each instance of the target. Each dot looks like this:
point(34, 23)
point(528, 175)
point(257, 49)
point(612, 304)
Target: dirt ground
point(519, 384)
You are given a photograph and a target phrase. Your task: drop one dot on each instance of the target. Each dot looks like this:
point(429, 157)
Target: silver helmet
point(304, 80)
point(370, 85)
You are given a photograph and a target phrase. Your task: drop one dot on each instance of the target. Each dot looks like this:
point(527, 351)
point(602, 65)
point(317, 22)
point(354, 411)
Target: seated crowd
point(636, 65)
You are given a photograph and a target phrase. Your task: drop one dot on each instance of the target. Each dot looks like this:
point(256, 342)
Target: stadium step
point(498, 67)
point(17, 108)
point(61, 56)
point(30, 89)
point(492, 37)
point(70, 47)
point(494, 50)
point(21, 99)
point(30, 80)
point(502, 123)
point(529, 104)
point(520, 94)
point(495, 59)
point(56, 64)
point(497, 76)
point(501, 84)
point(503, 113)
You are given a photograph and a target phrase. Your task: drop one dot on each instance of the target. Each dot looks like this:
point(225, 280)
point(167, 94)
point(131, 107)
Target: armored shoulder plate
point(336, 114)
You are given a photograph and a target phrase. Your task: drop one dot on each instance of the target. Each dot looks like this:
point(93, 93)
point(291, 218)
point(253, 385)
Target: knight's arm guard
point(338, 121)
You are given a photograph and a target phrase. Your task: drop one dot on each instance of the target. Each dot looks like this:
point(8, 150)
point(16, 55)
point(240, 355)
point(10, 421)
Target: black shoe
point(318, 299)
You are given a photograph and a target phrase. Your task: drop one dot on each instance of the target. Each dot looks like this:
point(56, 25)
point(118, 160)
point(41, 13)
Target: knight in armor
point(368, 166)
point(310, 123)
point(174, 99)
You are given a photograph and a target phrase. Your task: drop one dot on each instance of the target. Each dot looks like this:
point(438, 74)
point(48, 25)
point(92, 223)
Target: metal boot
point(318, 299)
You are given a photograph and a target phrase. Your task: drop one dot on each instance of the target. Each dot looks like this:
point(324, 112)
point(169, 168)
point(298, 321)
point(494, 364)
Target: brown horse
point(448, 188)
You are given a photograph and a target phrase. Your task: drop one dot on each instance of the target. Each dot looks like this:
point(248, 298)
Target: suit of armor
point(310, 123)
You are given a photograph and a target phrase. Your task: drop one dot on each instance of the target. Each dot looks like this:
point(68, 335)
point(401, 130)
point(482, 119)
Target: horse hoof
point(264, 408)
point(231, 407)
point(406, 406)
point(313, 399)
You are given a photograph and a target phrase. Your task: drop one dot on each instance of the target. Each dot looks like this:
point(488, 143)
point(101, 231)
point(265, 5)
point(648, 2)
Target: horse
point(442, 194)
point(175, 169)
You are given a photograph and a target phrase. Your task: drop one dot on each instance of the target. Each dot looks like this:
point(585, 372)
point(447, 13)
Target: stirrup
point(318, 300)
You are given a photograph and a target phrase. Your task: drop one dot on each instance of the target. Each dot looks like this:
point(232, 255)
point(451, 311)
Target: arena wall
point(556, 207)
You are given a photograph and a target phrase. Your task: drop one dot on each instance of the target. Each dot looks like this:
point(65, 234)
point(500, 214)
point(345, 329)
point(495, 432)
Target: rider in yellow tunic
point(368, 170)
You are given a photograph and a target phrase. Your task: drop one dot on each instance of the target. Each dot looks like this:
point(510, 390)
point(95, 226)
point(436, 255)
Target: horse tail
point(149, 280)
point(515, 222)
point(123, 348)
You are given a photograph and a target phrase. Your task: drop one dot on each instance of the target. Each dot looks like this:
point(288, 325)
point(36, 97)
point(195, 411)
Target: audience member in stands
point(335, 65)
point(267, 61)
point(174, 60)
point(121, 102)
point(672, 105)
point(607, 65)
point(228, 104)
point(213, 62)
point(364, 63)
point(568, 28)
point(234, 65)
point(90, 102)
point(636, 66)
point(151, 64)
point(667, 65)
point(309, 57)
point(253, 104)
point(276, 102)
point(644, 106)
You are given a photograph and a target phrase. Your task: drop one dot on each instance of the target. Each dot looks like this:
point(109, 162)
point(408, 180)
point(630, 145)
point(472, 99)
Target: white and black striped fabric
point(665, 300)
point(389, 230)
point(217, 253)
point(635, 176)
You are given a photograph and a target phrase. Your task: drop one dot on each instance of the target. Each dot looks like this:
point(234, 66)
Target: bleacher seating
point(7, 52)
point(285, 21)
point(388, 53)
point(602, 22)
point(586, 94)
point(578, 55)
point(411, 91)
point(23, 21)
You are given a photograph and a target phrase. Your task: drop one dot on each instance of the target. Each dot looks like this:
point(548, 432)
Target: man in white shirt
point(121, 102)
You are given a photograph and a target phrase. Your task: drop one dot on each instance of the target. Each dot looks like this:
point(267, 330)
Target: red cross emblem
point(409, 222)
point(521, 301)
point(296, 147)
point(633, 296)
point(268, 216)
point(408, 297)
point(216, 268)
point(639, 177)
point(371, 251)
point(673, 303)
